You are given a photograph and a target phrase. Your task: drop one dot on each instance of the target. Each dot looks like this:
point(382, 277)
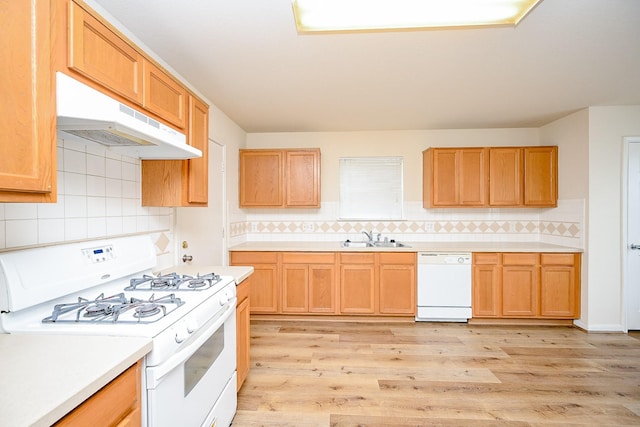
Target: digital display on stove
point(99, 254)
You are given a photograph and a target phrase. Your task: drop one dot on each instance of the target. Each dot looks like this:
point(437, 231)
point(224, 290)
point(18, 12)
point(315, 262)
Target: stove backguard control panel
point(99, 254)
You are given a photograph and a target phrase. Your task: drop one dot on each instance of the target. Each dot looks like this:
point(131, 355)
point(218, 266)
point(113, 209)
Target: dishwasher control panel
point(443, 258)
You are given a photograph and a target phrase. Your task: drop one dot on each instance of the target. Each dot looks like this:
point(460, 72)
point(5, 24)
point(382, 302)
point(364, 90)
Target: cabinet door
point(505, 176)
point(357, 289)
point(27, 110)
point(398, 289)
point(243, 334)
point(473, 173)
point(264, 288)
point(164, 96)
point(322, 288)
point(295, 288)
point(445, 177)
point(198, 169)
point(98, 53)
point(520, 285)
point(559, 290)
point(181, 182)
point(541, 176)
point(261, 178)
point(455, 177)
point(486, 285)
point(302, 177)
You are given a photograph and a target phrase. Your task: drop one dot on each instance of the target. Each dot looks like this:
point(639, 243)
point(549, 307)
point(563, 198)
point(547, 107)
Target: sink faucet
point(369, 235)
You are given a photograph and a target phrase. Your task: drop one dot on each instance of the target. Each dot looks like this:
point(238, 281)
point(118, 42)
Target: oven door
point(183, 390)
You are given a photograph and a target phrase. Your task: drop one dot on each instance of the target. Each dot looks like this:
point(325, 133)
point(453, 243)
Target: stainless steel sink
point(375, 244)
point(350, 244)
point(391, 244)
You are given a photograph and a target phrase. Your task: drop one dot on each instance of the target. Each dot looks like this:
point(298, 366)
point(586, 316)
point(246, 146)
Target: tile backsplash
point(99, 195)
point(562, 225)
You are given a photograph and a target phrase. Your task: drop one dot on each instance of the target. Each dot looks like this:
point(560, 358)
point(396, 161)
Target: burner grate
point(173, 282)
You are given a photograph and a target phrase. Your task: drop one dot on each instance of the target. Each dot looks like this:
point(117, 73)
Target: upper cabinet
point(42, 37)
point(163, 95)
point(27, 111)
point(490, 177)
point(98, 53)
point(455, 177)
point(280, 178)
point(541, 176)
point(181, 182)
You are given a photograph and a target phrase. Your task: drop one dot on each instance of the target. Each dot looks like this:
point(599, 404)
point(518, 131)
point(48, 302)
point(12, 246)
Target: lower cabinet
point(309, 282)
point(264, 282)
point(116, 404)
point(526, 285)
point(345, 283)
point(243, 332)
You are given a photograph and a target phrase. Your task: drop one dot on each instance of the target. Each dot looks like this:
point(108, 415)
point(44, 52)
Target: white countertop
point(238, 273)
point(44, 377)
point(412, 247)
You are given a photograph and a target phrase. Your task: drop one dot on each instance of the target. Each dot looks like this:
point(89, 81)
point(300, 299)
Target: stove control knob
point(224, 299)
point(192, 325)
point(181, 334)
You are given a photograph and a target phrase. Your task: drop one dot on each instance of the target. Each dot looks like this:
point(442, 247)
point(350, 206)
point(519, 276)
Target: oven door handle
point(155, 374)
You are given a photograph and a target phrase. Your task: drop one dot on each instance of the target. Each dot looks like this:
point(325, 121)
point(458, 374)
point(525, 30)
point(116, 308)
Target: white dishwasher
point(444, 287)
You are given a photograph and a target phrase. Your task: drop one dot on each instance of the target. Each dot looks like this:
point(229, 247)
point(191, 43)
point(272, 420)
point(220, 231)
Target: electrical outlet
point(254, 227)
point(307, 227)
point(429, 227)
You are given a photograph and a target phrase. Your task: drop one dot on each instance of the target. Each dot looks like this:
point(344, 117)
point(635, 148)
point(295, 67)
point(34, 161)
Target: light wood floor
point(325, 373)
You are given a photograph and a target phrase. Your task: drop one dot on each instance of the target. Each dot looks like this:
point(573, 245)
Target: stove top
point(115, 309)
point(173, 282)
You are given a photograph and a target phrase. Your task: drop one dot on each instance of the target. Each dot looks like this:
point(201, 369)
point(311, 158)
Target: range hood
point(86, 113)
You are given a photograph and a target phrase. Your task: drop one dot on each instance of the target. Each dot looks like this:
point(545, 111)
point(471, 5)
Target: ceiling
point(246, 57)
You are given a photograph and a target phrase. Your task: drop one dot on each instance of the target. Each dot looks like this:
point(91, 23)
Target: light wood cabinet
point(309, 282)
point(526, 285)
point(327, 283)
point(505, 176)
point(243, 332)
point(494, 176)
point(181, 182)
point(455, 177)
point(279, 178)
point(397, 283)
point(116, 404)
point(27, 111)
point(358, 290)
point(98, 53)
point(541, 176)
point(264, 283)
point(520, 285)
point(163, 95)
point(560, 285)
point(487, 286)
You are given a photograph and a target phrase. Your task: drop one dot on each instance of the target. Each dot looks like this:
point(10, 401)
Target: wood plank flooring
point(336, 373)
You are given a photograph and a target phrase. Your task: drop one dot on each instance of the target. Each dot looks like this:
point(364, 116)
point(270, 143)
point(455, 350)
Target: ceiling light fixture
point(319, 16)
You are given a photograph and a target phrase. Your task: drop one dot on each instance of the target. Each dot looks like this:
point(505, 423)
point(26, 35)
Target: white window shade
point(371, 188)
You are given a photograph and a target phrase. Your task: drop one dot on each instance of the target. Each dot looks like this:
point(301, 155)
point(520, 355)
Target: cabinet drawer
point(308, 258)
point(357, 258)
point(486, 258)
point(397, 257)
point(520, 259)
point(253, 258)
point(242, 291)
point(557, 259)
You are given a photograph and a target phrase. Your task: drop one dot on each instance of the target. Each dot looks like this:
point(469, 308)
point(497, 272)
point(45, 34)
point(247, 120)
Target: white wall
point(607, 128)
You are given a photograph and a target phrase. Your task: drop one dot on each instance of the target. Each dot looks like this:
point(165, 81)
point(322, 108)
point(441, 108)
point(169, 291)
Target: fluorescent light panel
point(388, 15)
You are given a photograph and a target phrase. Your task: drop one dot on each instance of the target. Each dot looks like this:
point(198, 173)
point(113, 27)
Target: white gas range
point(107, 287)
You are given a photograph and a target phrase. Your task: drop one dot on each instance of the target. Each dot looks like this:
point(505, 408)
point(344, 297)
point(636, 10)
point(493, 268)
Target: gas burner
point(147, 310)
point(173, 282)
point(115, 309)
